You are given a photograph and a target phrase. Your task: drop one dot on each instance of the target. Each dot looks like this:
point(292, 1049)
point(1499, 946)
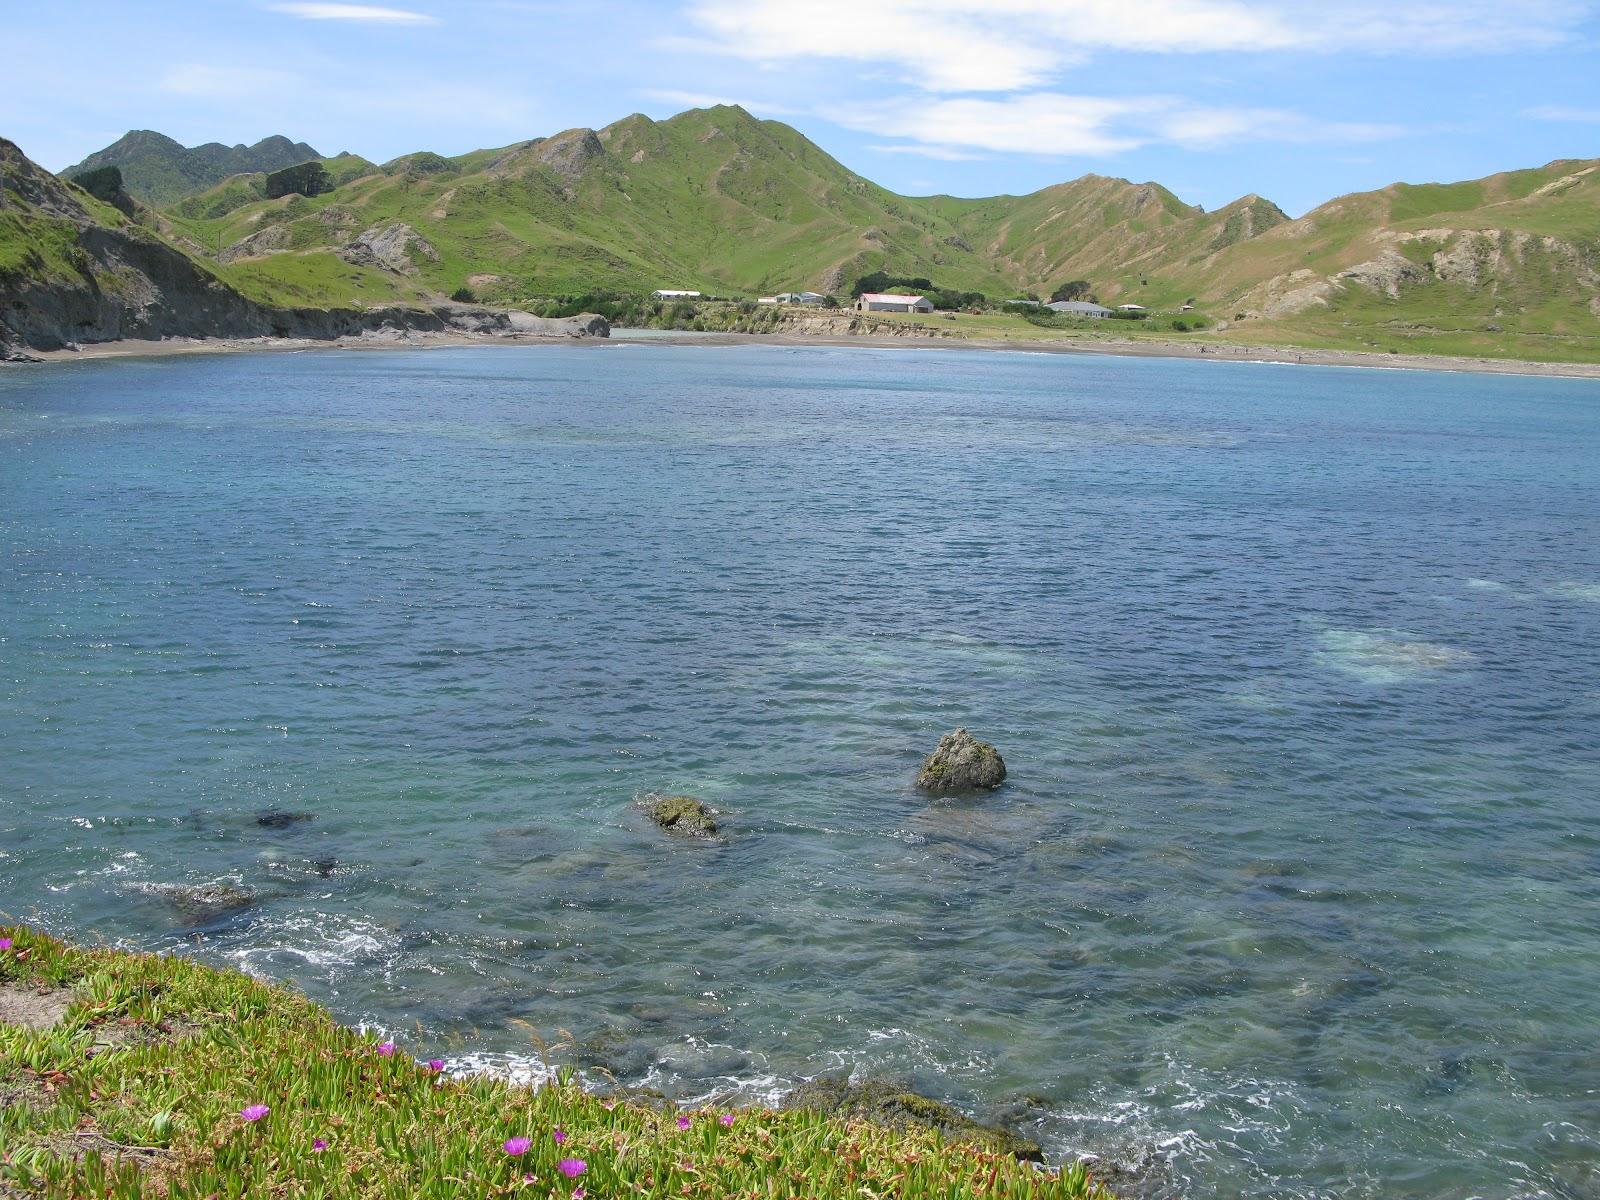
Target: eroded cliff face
point(73, 270)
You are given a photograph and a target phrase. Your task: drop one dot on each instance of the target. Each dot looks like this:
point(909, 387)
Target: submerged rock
point(277, 818)
point(202, 903)
point(961, 763)
point(681, 814)
point(885, 1103)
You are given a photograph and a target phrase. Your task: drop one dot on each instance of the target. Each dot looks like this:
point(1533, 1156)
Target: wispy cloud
point(1557, 112)
point(1054, 124)
point(1012, 45)
point(370, 13)
point(942, 153)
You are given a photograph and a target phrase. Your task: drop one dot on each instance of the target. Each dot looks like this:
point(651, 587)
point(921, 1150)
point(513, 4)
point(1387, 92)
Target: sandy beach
point(1212, 351)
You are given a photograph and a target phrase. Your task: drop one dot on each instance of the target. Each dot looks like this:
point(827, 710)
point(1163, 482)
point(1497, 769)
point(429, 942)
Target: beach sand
point(1209, 351)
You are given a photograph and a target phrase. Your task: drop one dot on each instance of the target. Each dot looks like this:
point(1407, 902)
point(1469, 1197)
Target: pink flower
point(319, 1145)
point(560, 1136)
point(727, 1120)
point(255, 1112)
point(436, 1064)
point(577, 1194)
point(386, 1050)
point(683, 1122)
point(5, 943)
point(572, 1167)
point(516, 1147)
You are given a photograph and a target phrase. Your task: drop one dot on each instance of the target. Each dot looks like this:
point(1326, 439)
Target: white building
point(768, 299)
point(1130, 308)
point(674, 294)
point(1080, 308)
point(811, 298)
point(889, 302)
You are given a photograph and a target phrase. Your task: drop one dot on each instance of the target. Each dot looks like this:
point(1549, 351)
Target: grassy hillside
point(711, 199)
point(715, 200)
point(1507, 264)
point(158, 170)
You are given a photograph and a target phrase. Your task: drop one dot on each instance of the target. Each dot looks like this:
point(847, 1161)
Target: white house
point(1080, 308)
point(674, 294)
point(811, 298)
point(889, 302)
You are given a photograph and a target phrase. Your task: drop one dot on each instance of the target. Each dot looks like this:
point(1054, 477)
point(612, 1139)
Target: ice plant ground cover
point(170, 1078)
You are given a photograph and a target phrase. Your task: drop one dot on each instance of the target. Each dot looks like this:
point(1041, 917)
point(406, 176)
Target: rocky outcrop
point(395, 248)
point(1387, 273)
point(681, 814)
point(570, 155)
point(270, 240)
point(886, 1103)
point(961, 763)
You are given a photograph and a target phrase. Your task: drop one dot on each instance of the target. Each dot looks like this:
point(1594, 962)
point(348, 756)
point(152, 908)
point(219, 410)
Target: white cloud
point(1042, 123)
point(1053, 124)
point(943, 153)
point(370, 13)
point(1556, 112)
point(1010, 45)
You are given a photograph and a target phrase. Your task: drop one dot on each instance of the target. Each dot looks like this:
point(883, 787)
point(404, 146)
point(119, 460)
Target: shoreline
point(239, 1078)
point(1216, 352)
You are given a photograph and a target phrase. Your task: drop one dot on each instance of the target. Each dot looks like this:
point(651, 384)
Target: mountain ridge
point(160, 170)
point(717, 200)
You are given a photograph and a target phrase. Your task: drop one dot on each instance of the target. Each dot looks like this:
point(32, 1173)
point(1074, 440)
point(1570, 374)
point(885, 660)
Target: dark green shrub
point(103, 183)
point(304, 179)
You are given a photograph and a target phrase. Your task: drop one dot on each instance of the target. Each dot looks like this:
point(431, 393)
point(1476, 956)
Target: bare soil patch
point(33, 1008)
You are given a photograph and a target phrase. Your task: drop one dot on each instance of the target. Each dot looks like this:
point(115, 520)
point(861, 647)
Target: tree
point(1076, 290)
point(303, 179)
point(103, 183)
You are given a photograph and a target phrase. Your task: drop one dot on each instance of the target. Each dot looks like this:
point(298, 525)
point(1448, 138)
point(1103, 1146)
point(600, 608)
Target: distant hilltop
point(715, 201)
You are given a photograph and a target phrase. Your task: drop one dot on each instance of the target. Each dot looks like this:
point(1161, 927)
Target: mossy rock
point(681, 814)
point(886, 1103)
point(961, 763)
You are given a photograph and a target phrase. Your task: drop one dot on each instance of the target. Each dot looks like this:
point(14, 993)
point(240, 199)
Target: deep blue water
point(1295, 885)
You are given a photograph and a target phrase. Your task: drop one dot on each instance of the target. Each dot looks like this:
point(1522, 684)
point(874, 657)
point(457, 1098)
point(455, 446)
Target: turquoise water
point(1295, 886)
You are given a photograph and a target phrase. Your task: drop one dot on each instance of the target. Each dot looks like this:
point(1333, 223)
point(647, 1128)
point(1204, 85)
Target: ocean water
point(1294, 889)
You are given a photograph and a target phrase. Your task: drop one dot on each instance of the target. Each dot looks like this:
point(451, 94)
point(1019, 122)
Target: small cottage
point(889, 302)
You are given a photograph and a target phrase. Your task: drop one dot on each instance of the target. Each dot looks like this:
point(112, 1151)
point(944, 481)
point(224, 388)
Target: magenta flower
point(255, 1112)
point(436, 1064)
point(319, 1145)
point(572, 1167)
point(577, 1194)
point(516, 1147)
point(727, 1120)
point(560, 1136)
point(5, 943)
point(683, 1122)
point(386, 1050)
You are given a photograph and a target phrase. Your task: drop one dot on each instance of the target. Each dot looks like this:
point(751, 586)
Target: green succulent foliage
point(150, 1086)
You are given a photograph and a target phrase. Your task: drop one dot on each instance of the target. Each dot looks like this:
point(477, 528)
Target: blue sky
point(1296, 100)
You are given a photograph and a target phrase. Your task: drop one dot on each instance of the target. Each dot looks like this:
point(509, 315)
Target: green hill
point(718, 201)
point(158, 170)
